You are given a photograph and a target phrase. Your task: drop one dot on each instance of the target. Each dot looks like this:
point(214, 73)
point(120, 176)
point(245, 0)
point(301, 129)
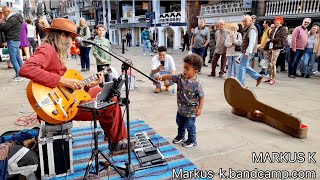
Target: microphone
point(85, 41)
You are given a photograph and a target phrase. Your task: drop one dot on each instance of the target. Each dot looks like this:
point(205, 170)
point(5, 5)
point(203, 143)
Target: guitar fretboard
point(90, 79)
point(95, 77)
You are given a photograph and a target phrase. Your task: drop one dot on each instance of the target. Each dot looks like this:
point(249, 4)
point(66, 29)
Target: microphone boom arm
point(124, 62)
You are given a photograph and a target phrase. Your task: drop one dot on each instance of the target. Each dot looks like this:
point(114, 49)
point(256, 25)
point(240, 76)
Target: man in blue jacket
point(145, 36)
point(11, 26)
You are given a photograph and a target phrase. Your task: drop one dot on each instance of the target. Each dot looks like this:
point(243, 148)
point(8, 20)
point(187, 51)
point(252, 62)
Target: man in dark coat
point(11, 26)
point(128, 38)
point(186, 41)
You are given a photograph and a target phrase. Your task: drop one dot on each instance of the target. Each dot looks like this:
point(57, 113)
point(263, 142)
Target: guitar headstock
point(107, 70)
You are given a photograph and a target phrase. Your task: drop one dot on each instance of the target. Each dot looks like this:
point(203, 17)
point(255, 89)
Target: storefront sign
point(247, 3)
point(227, 19)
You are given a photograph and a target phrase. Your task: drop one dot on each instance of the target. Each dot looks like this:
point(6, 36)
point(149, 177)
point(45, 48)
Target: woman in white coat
point(233, 44)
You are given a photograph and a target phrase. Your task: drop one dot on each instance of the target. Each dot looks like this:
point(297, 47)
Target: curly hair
point(280, 18)
point(195, 60)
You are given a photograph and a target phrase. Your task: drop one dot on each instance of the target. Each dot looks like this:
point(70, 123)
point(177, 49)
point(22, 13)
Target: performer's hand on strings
point(74, 84)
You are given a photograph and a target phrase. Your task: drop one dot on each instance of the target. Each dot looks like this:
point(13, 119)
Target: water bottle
point(173, 90)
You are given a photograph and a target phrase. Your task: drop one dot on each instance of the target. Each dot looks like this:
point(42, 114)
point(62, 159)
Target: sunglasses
point(70, 35)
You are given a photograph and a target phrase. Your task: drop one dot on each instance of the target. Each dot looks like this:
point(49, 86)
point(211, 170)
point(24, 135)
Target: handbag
point(5, 54)
point(5, 51)
point(264, 63)
point(238, 48)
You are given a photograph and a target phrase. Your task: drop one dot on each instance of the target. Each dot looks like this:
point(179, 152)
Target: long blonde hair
point(44, 23)
point(54, 38)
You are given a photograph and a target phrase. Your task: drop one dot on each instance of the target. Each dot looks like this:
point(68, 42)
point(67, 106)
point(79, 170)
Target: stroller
point(154, 47)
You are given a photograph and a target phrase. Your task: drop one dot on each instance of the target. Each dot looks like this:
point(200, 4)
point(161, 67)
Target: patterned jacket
point(316, 48)
point(279, 39)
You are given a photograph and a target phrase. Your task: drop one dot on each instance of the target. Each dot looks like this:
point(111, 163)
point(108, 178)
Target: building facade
point(292, 11)
point(166, 22)
point(230, 12)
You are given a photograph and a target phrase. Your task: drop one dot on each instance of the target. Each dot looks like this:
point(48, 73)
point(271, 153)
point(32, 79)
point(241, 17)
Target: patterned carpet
point(82, 153)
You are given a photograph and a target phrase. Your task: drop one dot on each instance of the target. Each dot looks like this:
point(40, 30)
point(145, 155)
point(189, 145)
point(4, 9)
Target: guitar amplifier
point(55, 150)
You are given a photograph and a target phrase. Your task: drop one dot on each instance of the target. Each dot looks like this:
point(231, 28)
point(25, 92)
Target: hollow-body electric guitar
point(60, 104)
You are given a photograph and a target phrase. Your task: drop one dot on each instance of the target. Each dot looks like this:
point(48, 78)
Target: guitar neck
point(95, 77)
point(90, 79)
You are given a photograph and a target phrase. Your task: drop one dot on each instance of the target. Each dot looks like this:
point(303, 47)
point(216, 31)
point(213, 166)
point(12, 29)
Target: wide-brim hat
point(63, 24)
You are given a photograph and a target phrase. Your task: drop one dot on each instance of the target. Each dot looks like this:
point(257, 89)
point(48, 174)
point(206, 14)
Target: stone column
point(77, 11)
point(261, 8)
point(109, 18)
point(183, 11)
point(193, 10)
point(133, 8)
point(161, 35)
point(104, 13)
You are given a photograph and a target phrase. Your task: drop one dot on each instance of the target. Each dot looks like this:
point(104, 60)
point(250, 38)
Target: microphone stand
point(129, 168)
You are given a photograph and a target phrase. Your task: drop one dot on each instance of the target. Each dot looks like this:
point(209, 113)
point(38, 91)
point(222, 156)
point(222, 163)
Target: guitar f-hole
point(64, 93)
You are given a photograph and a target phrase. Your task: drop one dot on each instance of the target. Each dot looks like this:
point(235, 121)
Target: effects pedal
point(147, 153)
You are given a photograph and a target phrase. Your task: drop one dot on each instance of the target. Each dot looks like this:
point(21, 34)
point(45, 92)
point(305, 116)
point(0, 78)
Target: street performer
point(47, 67)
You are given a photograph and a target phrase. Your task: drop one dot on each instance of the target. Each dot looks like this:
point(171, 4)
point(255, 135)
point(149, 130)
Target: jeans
point(232, 66)
point(186, 123)
point(294, 61)
point(199, 51)
point(244, 67)
point(14, 53)
point(146, 44)
point(84, 56)
point(308, 61)
point(158, 85)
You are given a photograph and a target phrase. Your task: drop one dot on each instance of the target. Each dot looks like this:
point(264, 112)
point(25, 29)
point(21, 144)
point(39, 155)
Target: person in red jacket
point(75, 50)
point(47, 67)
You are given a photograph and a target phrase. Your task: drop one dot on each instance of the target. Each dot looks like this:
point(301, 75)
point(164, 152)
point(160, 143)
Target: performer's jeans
point(158, 85)
point(244, 68)
point(14, 53)
point(186, 123)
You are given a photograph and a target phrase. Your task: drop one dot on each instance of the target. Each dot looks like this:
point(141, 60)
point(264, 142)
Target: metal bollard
point(123, 41)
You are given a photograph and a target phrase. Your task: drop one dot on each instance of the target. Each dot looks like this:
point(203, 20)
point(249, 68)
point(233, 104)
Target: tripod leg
point(89, 165)
point(112, 165)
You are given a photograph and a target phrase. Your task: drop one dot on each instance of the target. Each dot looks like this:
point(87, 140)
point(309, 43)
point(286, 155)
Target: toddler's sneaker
point(188, 144)
point(178, 140)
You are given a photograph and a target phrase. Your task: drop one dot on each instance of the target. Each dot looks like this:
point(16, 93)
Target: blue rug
point(82, 153)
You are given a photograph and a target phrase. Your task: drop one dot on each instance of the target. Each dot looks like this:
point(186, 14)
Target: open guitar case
point(22, 160)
